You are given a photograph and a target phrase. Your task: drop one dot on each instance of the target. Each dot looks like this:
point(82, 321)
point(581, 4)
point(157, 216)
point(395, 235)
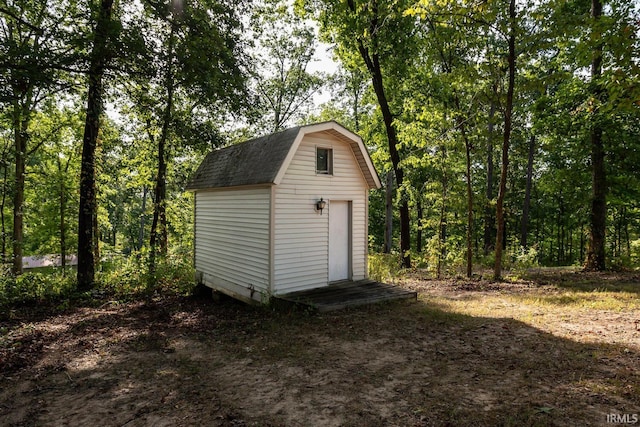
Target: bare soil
point(526, 359)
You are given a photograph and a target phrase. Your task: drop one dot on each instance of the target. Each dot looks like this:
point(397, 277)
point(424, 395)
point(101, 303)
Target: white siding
point(301, 233)
point(232, 240)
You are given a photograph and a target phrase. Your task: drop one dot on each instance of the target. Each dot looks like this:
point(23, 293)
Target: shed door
point(339, 238)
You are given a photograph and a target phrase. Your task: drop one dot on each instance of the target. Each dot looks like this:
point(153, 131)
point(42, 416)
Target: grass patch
point(597, 300)
point(529, 306)
point(573, 280)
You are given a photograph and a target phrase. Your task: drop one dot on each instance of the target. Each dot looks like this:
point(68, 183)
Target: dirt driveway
point(466, 353)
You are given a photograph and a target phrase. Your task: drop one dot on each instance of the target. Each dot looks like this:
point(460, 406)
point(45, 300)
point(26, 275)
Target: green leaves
point(283, 48)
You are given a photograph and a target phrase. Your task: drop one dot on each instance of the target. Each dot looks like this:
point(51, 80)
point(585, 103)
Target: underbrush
point(130, 276)
point(120, 278)
point(384, 267)
point(37, 286)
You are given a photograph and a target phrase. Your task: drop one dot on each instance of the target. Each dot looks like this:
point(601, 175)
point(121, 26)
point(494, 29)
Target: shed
point(283, 213)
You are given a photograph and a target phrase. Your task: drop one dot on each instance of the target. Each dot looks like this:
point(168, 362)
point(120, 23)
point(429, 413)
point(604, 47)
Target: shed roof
point(264, 160)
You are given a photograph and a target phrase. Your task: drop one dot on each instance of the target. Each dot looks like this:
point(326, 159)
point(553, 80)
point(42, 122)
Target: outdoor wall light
point(320, 205)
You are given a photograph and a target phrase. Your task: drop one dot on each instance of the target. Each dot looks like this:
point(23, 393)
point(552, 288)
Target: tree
point(524, 222)
point(598, 217)
point(4, 158)
point(196, 69)
point(381, 35)
point(101, 55)
point(51, 178)
point(284, 48)
point(507, 113)
point(348, 87)
point(600, 45)
point(489, 214)
point(29, 74)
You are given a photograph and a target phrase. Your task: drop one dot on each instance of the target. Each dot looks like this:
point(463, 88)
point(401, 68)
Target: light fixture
point(320, 205)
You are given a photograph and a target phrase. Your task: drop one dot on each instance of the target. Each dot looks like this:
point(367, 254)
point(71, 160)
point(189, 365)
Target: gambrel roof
point(264, 160)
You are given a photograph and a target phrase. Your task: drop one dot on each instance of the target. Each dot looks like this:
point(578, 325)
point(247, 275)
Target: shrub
point(450, 255)
point(36, 286)
point(384, 267)
point(121, 277)
point(522, 259)
point(129, 276)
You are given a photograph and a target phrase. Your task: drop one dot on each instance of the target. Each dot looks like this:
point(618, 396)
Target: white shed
point(283, 213)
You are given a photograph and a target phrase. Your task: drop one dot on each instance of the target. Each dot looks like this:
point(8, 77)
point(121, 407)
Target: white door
point(339, 236)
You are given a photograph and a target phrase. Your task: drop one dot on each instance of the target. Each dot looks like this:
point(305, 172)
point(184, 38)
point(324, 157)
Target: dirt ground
point(537, 352)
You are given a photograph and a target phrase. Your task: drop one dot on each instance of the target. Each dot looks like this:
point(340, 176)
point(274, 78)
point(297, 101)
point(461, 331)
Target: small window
point(324, 161)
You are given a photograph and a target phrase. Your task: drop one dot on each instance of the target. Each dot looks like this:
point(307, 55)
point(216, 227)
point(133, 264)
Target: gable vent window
point(324, 161)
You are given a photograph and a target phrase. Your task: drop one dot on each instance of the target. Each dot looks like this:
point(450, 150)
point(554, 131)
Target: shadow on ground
point(186, 361)
point(579, 281)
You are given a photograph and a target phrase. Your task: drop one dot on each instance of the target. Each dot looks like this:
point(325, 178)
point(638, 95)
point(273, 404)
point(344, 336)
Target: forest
point(506, 132)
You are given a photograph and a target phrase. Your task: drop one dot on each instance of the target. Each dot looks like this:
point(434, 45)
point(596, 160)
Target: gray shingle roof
point(256, 161)
point(261, 160)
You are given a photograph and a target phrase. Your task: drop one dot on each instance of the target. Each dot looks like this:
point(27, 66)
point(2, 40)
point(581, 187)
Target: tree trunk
point(559, 236)
point(467, 145)
point(469, 236)
point(20, 140)
point(5, 173)
point(96, 235)
point(598, 217)
point(88, 205)
point(372, 62)
point(388, 217)
point(570, 245)
point(142, 218)
point(159, 223)
point(582, 243)
point(524, 225)
point(500, 240)
point(405, 242)
point(442, 228)
point(20, 125)
point(619, 228)
point(63, 231)
point(489, 219)
point(626, 232)
point(597, 237)
point(419, 233)
point(356, 85)
point(442, 238)
point(63, 207)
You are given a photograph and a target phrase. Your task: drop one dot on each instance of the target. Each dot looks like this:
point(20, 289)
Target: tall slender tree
point(382, 36)
point(598, 217)
point(101, 55)
point(508, 121)
point(526, 208)
point(489, 214)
